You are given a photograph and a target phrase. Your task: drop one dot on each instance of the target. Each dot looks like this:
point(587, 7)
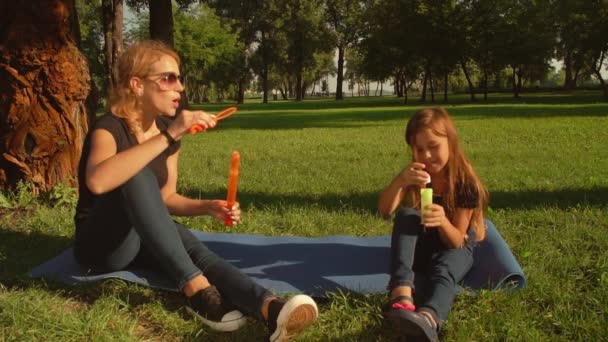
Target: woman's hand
point(188, 118)
point(218, 210)
point(433, 215)
point(413, 175)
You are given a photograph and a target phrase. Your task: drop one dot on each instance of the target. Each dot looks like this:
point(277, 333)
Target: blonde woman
point(127, 191)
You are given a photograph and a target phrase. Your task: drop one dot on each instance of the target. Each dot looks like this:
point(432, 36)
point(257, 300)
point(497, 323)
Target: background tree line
point(432, 46)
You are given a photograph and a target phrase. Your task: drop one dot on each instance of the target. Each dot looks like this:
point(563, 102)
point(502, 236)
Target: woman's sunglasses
point(168, 80)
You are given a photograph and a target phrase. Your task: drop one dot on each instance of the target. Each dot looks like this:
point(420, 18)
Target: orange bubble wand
point(233, 180)
point(220, 116)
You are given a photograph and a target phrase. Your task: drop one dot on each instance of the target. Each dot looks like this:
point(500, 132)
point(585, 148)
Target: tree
point(210, 51)
point(530, 40)
point(306, 37)
point(257, 23)
point(91, 36)
point(344, 17)
point(44, 84)
point(161, 17)
point(112, 14)
point(596, 43)
point(572, 17)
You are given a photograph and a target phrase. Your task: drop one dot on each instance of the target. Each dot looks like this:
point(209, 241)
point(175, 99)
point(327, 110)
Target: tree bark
point(485, 85)
point(445, 86)
point(112, 19)
point(299, 86)
point(597, 70)
point(44, 83)
point(468, 77)
point(240, 96)
point(161, 21)
point(340, 79)
point(426, 77)
point(570, 81)
point(514, 80)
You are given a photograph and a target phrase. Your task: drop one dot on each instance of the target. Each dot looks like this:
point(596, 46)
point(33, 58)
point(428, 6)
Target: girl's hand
point(414, 175)
point(188, 118)
point(218, 210)
point(433, 215)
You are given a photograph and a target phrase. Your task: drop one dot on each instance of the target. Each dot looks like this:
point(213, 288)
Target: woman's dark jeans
point(420, 250)
point(131, 226)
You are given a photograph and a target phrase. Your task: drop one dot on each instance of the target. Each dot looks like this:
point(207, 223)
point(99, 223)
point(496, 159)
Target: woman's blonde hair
point(135, 61)
point(459, 169)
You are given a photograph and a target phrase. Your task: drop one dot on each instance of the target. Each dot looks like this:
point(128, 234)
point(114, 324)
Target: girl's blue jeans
point(416, 250)
point(131, 226)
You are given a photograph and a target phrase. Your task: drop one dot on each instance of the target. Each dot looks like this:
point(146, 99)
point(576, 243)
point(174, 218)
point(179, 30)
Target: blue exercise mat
point(288, 264)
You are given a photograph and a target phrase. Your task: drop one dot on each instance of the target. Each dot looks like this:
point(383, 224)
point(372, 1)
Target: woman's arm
point(106, 170)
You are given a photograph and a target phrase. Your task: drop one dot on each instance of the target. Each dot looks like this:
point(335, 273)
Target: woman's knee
point(145, 178)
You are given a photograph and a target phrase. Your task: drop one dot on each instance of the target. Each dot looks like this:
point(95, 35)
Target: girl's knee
point(407, 219)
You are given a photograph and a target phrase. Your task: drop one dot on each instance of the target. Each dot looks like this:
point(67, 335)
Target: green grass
point(315, 169)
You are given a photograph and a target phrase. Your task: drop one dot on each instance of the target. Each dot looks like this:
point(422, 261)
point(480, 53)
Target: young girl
point(441, 248)
point(127, 191)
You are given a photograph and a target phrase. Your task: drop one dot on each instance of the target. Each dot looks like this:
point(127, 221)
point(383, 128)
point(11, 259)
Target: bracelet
point(170, 139)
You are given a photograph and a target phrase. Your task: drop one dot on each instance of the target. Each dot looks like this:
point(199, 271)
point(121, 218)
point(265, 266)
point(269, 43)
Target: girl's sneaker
point(413, 324)
point(286, 319)
point(207, 306)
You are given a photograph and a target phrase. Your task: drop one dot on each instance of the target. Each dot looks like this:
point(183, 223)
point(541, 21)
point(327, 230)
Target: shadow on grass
point(558, 97)
point(298, 119)
point(563, 199)
point(367, 201)
point(357, 201)
point(21, 251)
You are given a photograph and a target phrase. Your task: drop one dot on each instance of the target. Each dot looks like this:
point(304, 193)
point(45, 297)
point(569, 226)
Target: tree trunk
point(299, 86)
point(112, 19)
point(117, 28)
point(426, 77)
point(432, 84)
point(340, 79)
point(161, 21)
point(597, 69)
point(569, 82)
point(240, 96)
point(265, 83)
point(468, 77)
point(520, 77)
point(446, 79)
point(265, 67)
point(44, 83)
point(514, 80)
point(398, 88)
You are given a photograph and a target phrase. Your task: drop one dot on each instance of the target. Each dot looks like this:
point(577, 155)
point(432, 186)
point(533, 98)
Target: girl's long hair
point(135, 61)
point(459, 169)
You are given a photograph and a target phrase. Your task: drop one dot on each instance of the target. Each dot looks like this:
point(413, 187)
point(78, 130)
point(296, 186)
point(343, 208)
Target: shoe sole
point(297, 314)
point(406, 324)
point(232, 321)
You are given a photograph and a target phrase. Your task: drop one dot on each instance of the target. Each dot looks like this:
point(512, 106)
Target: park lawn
point(315, 169)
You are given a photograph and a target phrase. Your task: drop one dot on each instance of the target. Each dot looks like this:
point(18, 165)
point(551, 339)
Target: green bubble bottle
point(426, 197)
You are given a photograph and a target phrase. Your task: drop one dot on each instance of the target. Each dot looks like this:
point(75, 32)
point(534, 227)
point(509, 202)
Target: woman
point(127, 191)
